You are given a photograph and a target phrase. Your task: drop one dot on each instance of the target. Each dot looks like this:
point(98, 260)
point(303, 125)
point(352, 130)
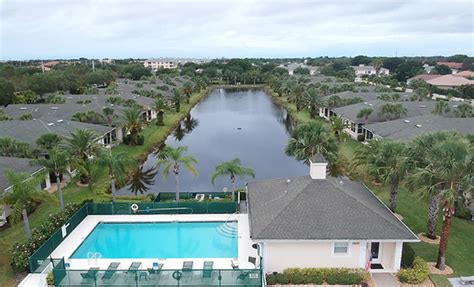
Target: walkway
point(385, 280)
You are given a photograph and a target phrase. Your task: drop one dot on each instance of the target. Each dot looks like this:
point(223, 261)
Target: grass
point(154, 135)
point(460, 255)
point(440, 281)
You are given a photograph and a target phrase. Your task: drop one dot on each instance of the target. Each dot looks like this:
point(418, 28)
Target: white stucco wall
point(301, 254)
point(388, 254)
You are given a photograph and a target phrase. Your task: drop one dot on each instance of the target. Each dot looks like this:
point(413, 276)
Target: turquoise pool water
point(160, 240)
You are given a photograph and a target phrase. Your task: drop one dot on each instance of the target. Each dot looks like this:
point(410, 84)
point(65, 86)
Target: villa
point(363, 70)
point(161, 63)
point(322, 221)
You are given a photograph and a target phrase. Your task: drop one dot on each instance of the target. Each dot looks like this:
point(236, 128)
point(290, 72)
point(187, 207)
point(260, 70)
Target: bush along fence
point(34, 253)
point(318, 276)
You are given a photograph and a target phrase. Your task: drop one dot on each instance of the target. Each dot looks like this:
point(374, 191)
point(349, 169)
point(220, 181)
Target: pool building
point(307, 221)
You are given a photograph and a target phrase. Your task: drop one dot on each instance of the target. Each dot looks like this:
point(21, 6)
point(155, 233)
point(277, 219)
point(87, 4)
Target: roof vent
point(288, 181)
point(50, 124)
point(23, 108)
point(371, 104)
point(422, 106)
point(418, 126)
point(60, 121)
point(54, 108)
point(406, 121)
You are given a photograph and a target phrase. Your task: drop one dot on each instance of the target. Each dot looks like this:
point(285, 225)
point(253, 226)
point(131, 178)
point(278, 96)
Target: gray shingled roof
point(367, 96)
point(402, 130)
point(30, 131)
point(320, 209)
point(17, 165)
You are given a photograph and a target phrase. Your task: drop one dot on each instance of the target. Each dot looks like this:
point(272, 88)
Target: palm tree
point(310, 139)
point(133, 123)
point(464, 111)
point(386, 161)
point(48, 141)
point(449, 170)
point(82, 146)
point(365, 114)
point(441, 107)
point(377, 63)
point(171, 157)
point(24, 190)
point(176, 98)
point(108, 115)
point(232, 168)
point(297, 96)
point(141, 180)
point(12, 147)
point(57, 162)
point(338, 125)
point(160, 106)
point(188, 90)
point(314, 101)
point(117, 164)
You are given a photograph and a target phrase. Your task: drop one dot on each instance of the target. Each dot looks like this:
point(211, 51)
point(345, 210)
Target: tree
point(421, 93)
point(188, 90)
point(57, 162)
point(12, 147)
point(109, 115)
point(464, 110)
point(82, 146)
point(392, 111)
point(170, 157)
point(160, 106)
point(141, 180)
point(442, 70)
point(310, 139)
point(25, 97)
point(25, 189)
point(313, 100)
point(117, 164)
point(449, 170)
point(133, 123)
point(377, 63)
point(441, 107)
point(385, 161)
point(365, 114)
point(360, 60)
point(176, 98)
point(48, 141)
point(408, 69)
point(338, 125)
point(7, 92)
point(232, 168)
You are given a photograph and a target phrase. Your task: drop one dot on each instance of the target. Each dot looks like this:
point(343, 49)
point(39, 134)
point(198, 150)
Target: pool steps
point(228, 230)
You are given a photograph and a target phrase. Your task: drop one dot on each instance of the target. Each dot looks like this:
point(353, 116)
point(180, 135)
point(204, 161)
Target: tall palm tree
point(117, 164)
point(310, 139)
point(232, 168)
point(160, 106)
point(108, 115)
point(140, 180)
point(176, 98)
point(57, 162)
point(338, 125)
point(171, 157)
point(450, 169)
point(297, 96)
point(82, 146)
point(365, 114)
point(24, 190)
point(188, 90)
point(386, 161)
point(314, 101)
point(133, 123)
point(441, 107)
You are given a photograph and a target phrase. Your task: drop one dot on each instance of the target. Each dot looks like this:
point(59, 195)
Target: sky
point(61, 29)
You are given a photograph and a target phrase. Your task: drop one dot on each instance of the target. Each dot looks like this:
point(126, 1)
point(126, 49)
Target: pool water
point(160, 240)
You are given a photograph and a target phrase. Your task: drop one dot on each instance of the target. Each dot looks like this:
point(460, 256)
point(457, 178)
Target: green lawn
point(73, 193)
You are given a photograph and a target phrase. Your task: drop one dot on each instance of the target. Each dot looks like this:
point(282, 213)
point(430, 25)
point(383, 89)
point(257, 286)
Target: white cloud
point(144, 28)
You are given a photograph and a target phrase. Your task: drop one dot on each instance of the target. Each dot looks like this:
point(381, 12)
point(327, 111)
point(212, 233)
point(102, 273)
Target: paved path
point(385, 280)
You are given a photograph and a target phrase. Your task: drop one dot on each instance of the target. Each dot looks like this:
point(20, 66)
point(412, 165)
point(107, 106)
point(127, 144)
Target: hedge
point(332, 276)
point(24, 249)
point(415, 275)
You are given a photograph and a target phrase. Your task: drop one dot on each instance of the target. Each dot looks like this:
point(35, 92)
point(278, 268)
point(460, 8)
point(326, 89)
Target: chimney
point(318, 166)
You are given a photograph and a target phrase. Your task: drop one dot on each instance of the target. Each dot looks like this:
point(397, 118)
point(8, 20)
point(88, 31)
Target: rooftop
point(449, 80)
point(17, 165)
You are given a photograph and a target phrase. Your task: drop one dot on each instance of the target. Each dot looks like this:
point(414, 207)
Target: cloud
point(146, 28)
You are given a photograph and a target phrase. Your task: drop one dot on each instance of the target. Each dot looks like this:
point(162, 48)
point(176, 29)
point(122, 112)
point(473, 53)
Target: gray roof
point(414, 109)
point(58, 111)
point(409, 128)
point(320, 209)
point(30, 131)
point(367, 96)
point(17, 165)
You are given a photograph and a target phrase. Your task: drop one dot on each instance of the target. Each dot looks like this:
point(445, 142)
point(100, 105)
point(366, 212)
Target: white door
point(376, 252)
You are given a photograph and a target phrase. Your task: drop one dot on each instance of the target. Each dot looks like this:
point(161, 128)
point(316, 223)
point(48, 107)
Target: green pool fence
point(41, 257)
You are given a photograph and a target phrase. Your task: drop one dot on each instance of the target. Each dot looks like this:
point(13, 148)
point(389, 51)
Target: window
point(341, 247)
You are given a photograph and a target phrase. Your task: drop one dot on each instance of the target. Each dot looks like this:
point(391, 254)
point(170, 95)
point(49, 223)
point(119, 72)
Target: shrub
point(344, 278)
point(316, 276)
point(415, 275)
point(140, 140)
point(408, 255)
point(50, 279)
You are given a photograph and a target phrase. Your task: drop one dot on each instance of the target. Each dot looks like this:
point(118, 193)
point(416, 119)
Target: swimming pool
point(160, 240)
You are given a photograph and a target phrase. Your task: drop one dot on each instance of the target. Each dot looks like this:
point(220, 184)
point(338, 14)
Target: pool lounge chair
point(207, 269)
point(89, 276)
point(109, 273)
point(156, 268)
point(134, 267)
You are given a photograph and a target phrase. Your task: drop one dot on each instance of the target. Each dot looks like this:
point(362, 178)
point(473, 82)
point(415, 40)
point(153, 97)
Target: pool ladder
point(92, 257)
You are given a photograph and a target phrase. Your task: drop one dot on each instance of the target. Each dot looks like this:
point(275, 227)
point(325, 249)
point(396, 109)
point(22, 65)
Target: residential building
point(322, 221)
point(453, 65)
point(363, 70)
point(407, 129)
point(449, 82)
point(422, 77)
point(22, 165)
point(465, 74)
point(160, 63)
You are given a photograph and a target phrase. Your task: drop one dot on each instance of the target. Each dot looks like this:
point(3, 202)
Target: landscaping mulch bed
point(433, 270)
point(428, 240)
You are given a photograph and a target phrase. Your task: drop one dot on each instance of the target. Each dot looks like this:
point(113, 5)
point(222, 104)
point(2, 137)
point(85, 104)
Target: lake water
point(229, 124)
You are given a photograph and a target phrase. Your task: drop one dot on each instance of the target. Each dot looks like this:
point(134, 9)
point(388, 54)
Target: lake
point(229, 124)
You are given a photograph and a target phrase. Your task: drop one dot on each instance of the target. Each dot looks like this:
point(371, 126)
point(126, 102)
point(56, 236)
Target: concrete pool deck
point(79, 234)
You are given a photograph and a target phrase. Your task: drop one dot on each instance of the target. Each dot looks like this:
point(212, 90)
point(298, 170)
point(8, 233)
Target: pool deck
point(72, 242)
